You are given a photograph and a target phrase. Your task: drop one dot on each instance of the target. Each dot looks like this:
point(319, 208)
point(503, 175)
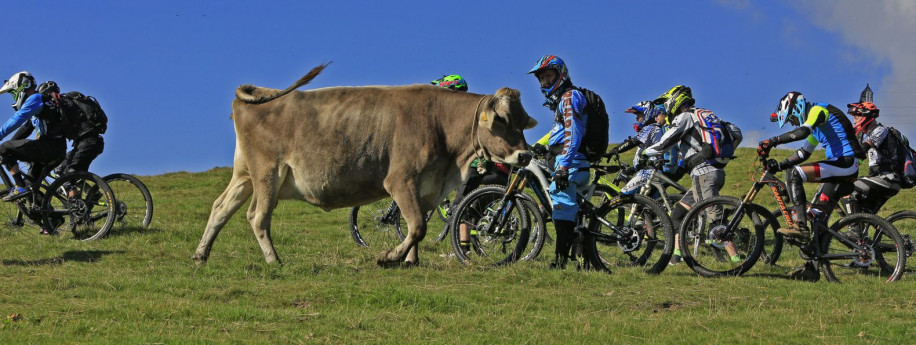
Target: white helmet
point(16, 85)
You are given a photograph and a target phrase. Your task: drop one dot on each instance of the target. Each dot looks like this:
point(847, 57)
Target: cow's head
point(502, 122)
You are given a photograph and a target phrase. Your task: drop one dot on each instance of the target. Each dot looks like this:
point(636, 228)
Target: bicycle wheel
point(881, 251)
point(79, 205)
point(498, 232)
point(772, 245)
point(630, 231)
point(538, 233)
point(377, 224)
point(905, 223)
point(133, 202)
point(711, 248)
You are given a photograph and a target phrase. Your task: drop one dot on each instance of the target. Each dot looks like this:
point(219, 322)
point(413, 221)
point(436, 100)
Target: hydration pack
point(80, 115)
point(904, 162)
point(722, 137)
point(595, 142)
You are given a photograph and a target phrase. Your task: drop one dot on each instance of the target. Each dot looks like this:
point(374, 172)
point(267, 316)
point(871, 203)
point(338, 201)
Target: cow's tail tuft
point(246, 92)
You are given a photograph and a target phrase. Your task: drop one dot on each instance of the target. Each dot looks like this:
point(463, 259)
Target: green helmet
point(452, 82)
point(675, 98)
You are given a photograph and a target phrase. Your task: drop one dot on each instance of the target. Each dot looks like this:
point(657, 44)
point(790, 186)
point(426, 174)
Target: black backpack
point(595, 142)
point(904, 159)
point(81, 115)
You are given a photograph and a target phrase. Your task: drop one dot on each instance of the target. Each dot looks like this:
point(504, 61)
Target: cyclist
point(571, 167)
point(707, 179)
point(481, 172)
point(882, 182)
point(84, 150)
point(651, 123)
point(818, 123)
point(49, 145)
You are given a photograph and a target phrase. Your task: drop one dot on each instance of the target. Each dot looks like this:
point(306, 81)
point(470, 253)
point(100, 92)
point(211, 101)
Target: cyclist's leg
point(565, 212)
point(13, 151)
point(85, 150)
point(473, 181)
point(817, 172)
point(870, 193)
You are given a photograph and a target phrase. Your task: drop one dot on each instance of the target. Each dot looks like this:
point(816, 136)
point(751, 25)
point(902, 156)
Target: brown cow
point(348, 146)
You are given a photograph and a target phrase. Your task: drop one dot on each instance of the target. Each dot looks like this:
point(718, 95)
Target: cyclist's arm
point(572, 105)
point(31, 106)
point(801, 155)
point(671, 137)
point(24, 131)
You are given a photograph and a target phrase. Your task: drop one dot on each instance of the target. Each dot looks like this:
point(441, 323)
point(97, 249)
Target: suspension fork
point(506, 204)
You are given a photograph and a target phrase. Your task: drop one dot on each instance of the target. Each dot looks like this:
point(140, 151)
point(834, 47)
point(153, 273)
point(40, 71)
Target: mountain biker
point(882, 182)
point(706, 179)
point(651, 124)
point(571, 168)
point(818, 123)
point(84, 150)
point(49, 145)
point(481, 172)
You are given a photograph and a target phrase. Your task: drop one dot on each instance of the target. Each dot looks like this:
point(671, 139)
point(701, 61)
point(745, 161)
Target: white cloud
point(885, 31)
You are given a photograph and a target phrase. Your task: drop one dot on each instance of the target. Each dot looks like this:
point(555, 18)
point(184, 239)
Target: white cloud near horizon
point(885, 31)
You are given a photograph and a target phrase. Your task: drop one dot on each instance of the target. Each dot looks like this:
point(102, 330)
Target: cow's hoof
point(383, 261)
point(200, 260)
point(409, 264)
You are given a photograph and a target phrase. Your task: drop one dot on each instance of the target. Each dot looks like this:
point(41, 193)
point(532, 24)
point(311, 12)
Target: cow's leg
point(238, 190)
point(408, 201)
point(261, 210)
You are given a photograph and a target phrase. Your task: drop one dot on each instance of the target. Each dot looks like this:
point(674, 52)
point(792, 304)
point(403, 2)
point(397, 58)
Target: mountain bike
point(133, 202)
point(380, 223)
point(879, 251)
point(638, 229)
point(79, 205)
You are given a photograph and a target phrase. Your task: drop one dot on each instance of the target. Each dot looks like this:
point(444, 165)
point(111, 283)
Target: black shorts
point(43, 151)
point(84, 151)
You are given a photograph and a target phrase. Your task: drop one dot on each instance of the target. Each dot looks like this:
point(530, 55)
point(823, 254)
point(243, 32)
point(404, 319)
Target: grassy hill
point(142, 287)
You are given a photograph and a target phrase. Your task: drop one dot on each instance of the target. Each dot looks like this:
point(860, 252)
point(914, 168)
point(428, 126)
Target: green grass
point(141, 286)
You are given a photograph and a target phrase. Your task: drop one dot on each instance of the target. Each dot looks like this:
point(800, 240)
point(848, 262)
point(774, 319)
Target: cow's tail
point(246, 92)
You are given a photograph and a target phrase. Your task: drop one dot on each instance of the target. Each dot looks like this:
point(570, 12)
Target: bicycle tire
point(651, 235)
point(905, 223)
point(538, 233)
point(370, 225)
point(77, 215)
point(503, 246)
point(885, 257)
point(127, 199)
point(705, 243)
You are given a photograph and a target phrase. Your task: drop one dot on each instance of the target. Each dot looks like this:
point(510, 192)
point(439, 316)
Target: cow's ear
point(531, 123)
point(492, 120)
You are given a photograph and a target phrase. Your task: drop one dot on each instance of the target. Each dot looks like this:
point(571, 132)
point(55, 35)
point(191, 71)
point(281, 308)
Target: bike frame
point(780, 192)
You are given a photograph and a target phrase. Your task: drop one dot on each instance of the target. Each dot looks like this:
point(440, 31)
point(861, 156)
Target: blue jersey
point(569, 130)
point(832, 131)
point(28, 111)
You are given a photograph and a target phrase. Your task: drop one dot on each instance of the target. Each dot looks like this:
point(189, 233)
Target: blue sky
point(166, 71)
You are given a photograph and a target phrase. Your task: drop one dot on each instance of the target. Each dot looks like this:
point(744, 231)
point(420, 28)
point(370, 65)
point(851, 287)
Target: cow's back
point(338, 143)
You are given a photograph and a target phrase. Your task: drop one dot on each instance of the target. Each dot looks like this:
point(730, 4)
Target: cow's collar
point(485, 156)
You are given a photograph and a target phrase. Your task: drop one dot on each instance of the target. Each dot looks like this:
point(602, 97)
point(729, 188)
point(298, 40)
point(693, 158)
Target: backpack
point(905, 164)
point(595, 142)
point(80, 114)
point(722, 137)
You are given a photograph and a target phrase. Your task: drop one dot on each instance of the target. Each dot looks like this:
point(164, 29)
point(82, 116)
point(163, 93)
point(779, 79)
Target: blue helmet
point(793, 104)
point(555, 63)
point(648, 110)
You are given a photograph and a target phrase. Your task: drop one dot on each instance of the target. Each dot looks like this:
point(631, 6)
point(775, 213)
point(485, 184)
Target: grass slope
point(138, 287)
